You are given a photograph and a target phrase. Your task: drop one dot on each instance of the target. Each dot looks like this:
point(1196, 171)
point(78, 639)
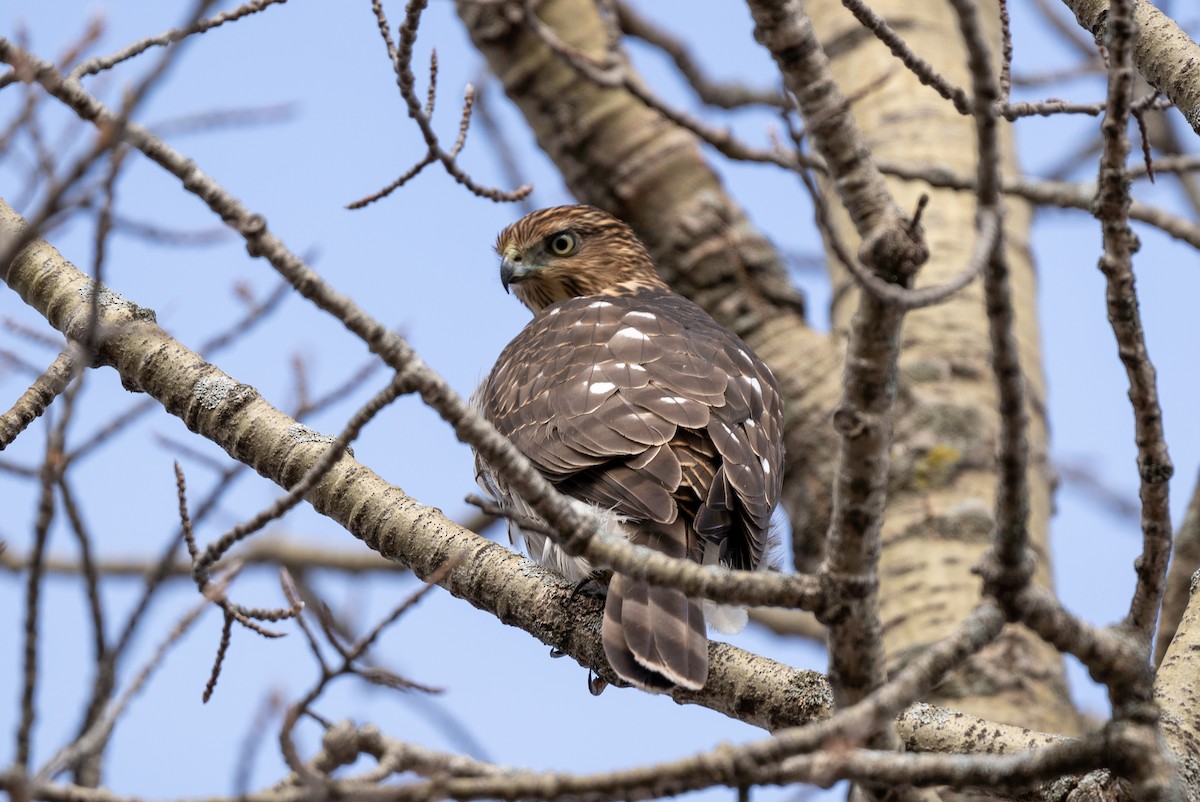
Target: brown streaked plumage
point(632, 400)
point(607, 259)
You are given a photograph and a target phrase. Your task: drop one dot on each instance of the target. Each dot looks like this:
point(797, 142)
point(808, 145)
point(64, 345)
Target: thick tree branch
point(494, 579)
point(1162, 52)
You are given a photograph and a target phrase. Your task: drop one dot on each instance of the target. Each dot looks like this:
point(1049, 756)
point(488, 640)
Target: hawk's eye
point(562, 243)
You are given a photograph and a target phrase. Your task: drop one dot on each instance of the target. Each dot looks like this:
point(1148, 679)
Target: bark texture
point(943, 470)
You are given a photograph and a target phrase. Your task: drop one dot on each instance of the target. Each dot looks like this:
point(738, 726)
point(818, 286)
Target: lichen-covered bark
point(943, 481)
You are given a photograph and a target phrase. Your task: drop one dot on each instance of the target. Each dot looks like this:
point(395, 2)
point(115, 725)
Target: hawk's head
point(572, 251)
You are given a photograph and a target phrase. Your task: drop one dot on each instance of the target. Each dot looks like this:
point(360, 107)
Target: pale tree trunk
point(939, 515)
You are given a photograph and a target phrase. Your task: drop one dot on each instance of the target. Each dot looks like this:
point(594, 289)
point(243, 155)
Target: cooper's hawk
point(630, 398)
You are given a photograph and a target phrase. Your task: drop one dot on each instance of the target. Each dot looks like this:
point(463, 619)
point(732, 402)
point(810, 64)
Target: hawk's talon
point(591, 586)
point(596, 683)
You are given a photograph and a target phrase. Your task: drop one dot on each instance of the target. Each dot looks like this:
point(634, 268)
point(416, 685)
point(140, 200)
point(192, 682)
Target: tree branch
point(1162, 52)
point(752, 688)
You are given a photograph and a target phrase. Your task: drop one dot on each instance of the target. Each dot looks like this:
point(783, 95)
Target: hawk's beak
point(507, 271)
point(513, 268)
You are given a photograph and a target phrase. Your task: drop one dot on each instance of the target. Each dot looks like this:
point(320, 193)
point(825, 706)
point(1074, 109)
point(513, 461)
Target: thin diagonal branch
point(34, 401)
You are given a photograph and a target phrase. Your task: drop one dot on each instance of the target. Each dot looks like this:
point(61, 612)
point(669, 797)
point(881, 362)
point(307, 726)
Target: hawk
point(630, 399)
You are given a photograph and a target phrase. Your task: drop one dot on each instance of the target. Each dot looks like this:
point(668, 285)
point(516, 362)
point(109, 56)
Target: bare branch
point(401, 58)
point(1120, 243)
point(1157, 35)
point(173, 36)
point(722, 95)
point(34, 401)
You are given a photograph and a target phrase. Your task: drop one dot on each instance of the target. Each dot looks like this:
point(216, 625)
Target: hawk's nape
point(630, 398)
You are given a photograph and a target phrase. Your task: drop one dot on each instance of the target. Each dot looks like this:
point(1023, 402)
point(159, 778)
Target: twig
point(1010, 565)
point(33, 335)
point(225, 118)
point(92, 741)
point(33, 586)
point(219, 660)
point(34, 401)
point(722, 95)
point(1006, 53)
point(174, 35)
point(401, 58)
point(1047, 108)
point(91, 576)
point(1080, 474)
point(922, 69)
point(525, 522)
point(116, 158)
point(362, 644)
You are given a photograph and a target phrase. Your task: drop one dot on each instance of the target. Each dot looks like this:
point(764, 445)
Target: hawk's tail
point(654, 636)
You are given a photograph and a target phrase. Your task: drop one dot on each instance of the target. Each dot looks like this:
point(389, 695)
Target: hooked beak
point(513, 268)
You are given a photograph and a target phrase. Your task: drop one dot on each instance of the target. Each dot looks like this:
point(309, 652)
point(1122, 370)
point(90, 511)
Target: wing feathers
point(644, 406)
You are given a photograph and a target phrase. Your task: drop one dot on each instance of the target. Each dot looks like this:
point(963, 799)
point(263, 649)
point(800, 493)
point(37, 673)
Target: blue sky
point(421, 260)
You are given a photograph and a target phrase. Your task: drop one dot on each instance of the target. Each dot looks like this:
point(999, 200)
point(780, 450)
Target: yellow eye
point(562, 243)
